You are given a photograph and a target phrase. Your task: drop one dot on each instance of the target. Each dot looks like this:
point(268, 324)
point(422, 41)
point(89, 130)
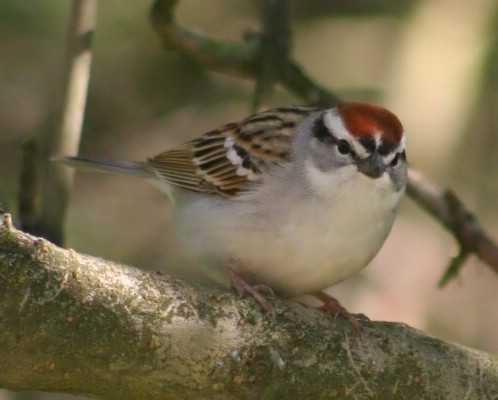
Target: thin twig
point(456, 264)
point(218, 55)
point(470, 233)
point(448, 209)
point(57, 181)
point(273, 51)
point(228, 57)
point(428, 196)
point(296, 80)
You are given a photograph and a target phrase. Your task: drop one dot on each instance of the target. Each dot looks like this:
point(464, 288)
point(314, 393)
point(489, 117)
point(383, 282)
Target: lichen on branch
point(80, 324)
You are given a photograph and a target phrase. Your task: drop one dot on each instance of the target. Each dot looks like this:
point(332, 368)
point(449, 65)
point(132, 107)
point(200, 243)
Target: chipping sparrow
point(295, 198)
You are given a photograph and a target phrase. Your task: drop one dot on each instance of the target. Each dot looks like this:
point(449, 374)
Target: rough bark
point(77, 324)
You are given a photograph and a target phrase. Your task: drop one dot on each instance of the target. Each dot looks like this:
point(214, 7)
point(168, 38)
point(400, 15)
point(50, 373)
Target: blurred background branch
point(274, 48)
point(45, 188)
point(264, 57)
point(449, 210)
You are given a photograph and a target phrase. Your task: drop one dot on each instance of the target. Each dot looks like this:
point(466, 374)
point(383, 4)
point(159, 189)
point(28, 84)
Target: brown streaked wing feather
point(175, 166)
point(257, 143)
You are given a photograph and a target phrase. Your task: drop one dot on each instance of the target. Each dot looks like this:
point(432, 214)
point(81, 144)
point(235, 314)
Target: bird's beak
point(372, 166)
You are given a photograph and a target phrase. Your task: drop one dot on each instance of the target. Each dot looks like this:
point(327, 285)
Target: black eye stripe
point(397, 158)
point(321, 132)
point(385, 148)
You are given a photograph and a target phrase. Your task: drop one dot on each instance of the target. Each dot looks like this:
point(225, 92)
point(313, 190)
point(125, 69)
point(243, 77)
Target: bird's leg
point(332, 305)
point(243, 288)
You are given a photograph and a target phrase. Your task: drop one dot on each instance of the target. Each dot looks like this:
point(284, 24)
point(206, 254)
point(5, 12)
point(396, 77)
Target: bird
point(290, 200)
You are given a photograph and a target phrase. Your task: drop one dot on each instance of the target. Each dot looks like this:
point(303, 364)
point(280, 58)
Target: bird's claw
point(332, 305)
point(243, 289)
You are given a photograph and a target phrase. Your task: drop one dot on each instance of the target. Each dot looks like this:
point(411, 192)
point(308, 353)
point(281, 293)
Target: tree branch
point(78, 324)
point(218, 55)
point(45, 187)
point(448, 209)
point(238, 59)
point(274, 49)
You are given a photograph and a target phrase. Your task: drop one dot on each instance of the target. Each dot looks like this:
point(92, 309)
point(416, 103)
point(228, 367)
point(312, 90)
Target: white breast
point(284, 237)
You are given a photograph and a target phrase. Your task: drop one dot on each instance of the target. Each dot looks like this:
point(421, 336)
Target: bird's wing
point(227, 160)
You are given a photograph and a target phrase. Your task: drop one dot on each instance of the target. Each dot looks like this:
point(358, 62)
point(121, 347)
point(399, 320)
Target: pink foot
point(243, 288)
point(333, 306)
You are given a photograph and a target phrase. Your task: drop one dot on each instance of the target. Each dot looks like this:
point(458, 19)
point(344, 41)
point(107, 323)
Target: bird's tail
point(132, 168)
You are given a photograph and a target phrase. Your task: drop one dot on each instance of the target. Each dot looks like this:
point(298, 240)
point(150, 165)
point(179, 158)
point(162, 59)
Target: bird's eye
point(395, 160)
point(343, 147)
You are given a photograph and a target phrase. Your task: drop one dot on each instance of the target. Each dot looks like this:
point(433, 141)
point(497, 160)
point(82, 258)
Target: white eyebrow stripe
point(402, 143)
point(334, 123)
point(387, 159)
point(359, 149)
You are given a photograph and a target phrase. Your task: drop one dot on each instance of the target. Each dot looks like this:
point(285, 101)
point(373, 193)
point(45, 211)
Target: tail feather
point(133, 168)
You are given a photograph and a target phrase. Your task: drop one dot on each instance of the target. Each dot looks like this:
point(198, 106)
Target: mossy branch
point(77, 324)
